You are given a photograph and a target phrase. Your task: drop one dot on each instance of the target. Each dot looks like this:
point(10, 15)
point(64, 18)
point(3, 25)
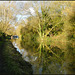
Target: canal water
point(54, 58)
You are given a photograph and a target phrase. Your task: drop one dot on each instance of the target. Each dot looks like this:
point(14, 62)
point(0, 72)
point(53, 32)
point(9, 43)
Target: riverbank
point(11, 61)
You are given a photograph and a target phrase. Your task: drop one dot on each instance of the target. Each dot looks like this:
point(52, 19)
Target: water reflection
point(48, 58)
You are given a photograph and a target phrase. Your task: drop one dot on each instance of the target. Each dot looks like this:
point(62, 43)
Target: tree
point(6, 16)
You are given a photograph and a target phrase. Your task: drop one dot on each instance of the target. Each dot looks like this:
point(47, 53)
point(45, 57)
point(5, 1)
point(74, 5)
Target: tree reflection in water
point(48, 58)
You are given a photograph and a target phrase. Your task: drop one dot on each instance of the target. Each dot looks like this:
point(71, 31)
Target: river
point(48, 59)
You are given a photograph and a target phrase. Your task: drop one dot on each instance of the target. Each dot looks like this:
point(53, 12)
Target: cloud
point(32, 10)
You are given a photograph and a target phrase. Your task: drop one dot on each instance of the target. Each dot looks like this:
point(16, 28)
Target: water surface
point(48, 58)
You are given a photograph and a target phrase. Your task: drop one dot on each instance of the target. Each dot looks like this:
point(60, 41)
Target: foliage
point(46, 24)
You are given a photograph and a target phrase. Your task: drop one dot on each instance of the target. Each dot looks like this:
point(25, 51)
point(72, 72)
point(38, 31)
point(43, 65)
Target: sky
point(20, 5)
point(26, 15)
point(22, 14)
point(30, 9)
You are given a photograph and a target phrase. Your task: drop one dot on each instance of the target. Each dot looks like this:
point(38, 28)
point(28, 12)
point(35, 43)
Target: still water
point(54, 58)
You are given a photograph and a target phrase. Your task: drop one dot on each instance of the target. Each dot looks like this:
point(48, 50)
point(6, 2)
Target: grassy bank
point(11, 61)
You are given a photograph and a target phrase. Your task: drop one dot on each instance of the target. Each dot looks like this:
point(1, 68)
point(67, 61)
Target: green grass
point(13, 62)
